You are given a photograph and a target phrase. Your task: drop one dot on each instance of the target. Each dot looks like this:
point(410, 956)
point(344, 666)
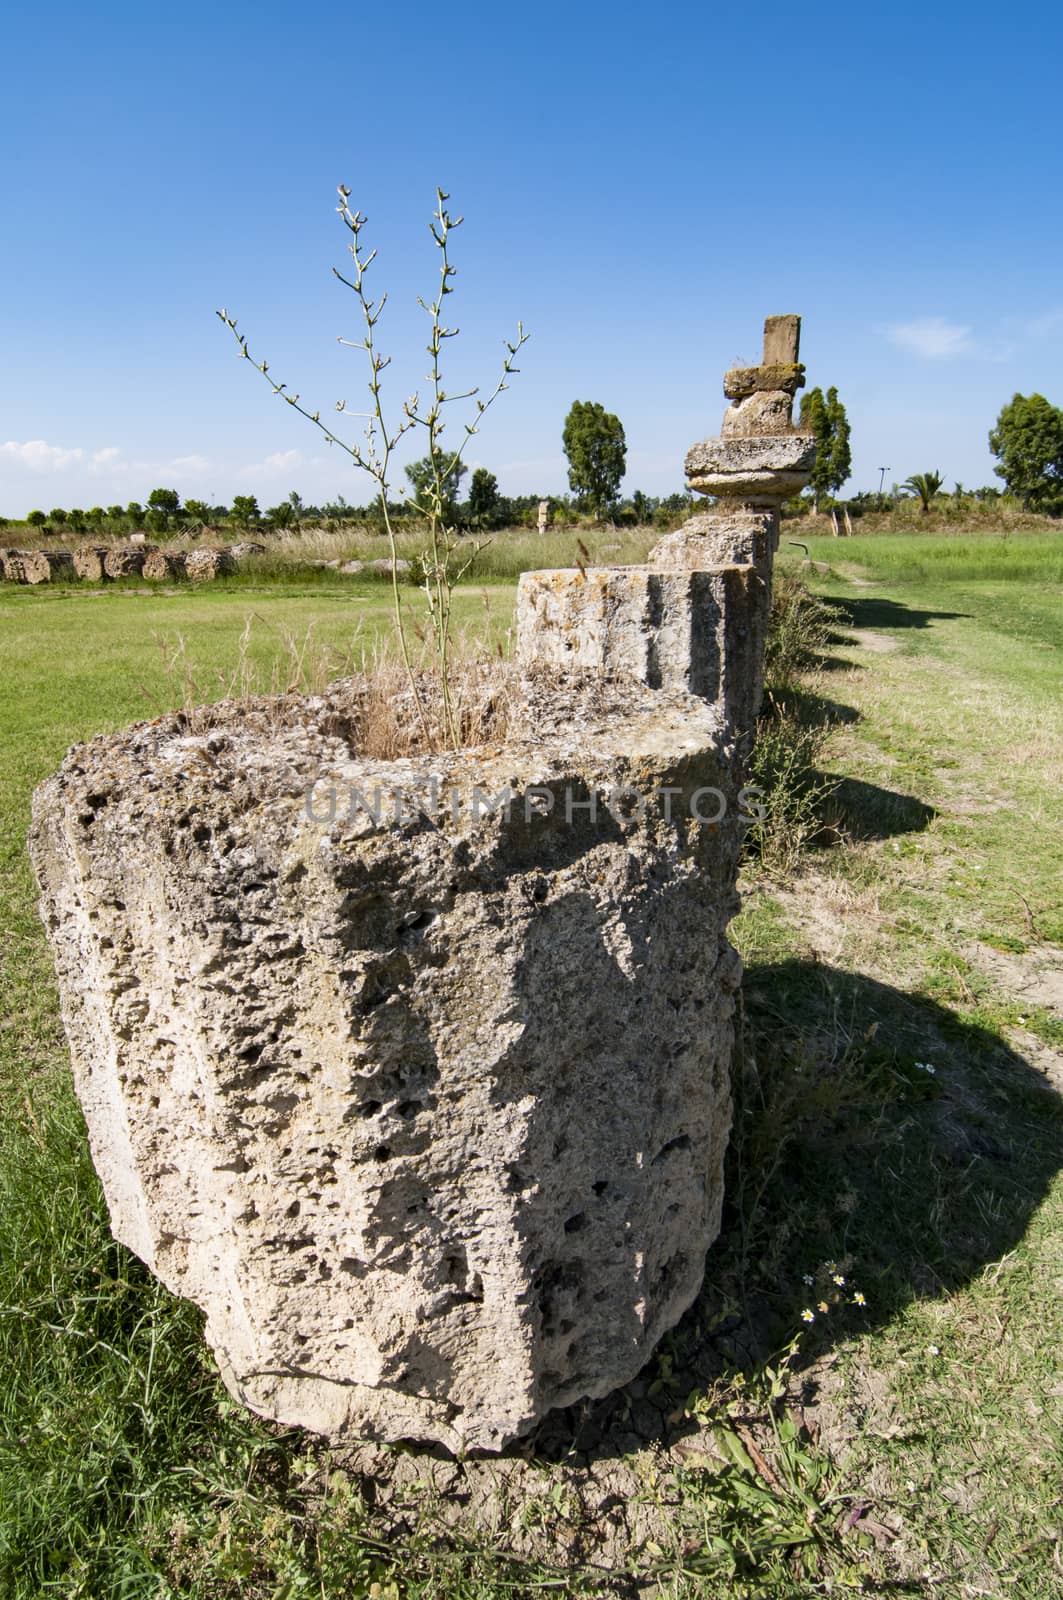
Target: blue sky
point(640, 187)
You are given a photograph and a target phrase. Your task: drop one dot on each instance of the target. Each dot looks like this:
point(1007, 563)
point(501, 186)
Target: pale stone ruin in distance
point(427, 1110)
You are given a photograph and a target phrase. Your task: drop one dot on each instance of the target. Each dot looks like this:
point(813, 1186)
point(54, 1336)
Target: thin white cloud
point(279, 464)
point(932, 338)
point(39, 456)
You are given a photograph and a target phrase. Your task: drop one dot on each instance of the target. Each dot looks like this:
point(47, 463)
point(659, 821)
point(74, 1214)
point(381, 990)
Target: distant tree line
point(1027, 440)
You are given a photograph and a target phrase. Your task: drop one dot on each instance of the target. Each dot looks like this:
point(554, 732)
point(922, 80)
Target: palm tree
point(925, 485)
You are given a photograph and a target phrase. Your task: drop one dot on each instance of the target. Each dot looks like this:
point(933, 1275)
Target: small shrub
point(792, 729)
point(799, 630)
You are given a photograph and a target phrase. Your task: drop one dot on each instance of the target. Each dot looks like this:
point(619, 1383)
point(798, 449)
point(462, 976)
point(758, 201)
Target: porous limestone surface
point(36, 566)
point(89, 560)
point(426, 1110)
point(720, 538)
point(125, 561)
point(162, 564)
point(743, 381)
point(767, 412)
point(779, 453)
point(203, 565)
point(674, 628)
point(756, 470)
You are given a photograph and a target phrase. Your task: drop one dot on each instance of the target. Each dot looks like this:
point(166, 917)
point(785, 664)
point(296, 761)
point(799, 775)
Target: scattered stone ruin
point(99, 563)
point(203, 565)
point(36, 566)
point(162, 564)
point(695, 616)
point(414, 1075)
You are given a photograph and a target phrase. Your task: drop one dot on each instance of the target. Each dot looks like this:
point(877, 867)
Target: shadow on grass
point(864, 810)
point(874, 612)
point(844, 1150)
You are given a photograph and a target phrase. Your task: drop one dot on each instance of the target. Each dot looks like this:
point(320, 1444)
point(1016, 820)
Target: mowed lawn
point(909, 1445)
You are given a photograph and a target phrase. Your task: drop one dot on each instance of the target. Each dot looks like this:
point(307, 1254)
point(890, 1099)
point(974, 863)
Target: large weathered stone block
point(37, 566)
point(765, 468)
point(125, 561)
point(89, 562)
point(202, 566)
point(782, 340)
point(162, 564)
point(768, 411)
point(426, 1111)
point(674, 629)
point(741, 382)
point(720, 538)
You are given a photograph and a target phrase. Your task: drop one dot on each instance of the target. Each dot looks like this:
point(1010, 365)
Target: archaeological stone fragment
point(203, 565)
point(37, 566)
point(162, 564)
point(426, 1110)
point(124, 561)
point(642, 618)
point(89, 562)
point(414, 1075)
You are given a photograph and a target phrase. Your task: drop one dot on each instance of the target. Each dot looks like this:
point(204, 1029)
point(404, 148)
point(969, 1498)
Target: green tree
point(298, 506)
point(96, 514)
point(597, 453)
point(1028, 442)
point(643, 506)
point(57, 514)
point(36, 519)
point(823, 415)
point(923, 485)
point(135, 511)
point(280, 516)
point(165, 501)
point(483, 498)
point(197, 511)
point(244, 509)
point(115, 513)
point(424, 486)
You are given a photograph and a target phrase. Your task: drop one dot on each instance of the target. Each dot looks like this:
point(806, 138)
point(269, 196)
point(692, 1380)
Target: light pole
point(882, 471)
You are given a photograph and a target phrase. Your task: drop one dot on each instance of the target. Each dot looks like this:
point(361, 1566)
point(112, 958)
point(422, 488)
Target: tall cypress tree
point(824, 416)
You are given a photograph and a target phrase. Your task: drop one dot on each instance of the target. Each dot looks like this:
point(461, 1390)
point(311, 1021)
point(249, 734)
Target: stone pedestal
point(680, 620)
point(427, 1112)
point(698, 630)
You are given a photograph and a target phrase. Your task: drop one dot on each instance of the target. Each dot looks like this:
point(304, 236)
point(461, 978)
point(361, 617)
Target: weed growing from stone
point(446, 557)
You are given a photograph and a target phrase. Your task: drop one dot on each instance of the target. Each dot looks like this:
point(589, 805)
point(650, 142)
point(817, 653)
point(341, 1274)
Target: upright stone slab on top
point(427, 1114)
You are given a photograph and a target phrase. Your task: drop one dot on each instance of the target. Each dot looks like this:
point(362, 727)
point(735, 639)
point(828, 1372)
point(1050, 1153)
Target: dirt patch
point(881, 644)
point(1035, 976)
point(1041, 1057)
point(854, 574)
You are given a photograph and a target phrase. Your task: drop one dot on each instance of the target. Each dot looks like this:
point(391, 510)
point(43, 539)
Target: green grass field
point(909, 1445)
